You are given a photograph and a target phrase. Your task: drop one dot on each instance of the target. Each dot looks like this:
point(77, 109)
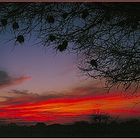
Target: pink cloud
point(14, 81)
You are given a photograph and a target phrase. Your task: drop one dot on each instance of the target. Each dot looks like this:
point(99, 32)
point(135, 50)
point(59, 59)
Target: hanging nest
point(15, 26)
point(84, 13)
point(20, 39)
point(52, 37)
point(50, 19)
point(62, 47)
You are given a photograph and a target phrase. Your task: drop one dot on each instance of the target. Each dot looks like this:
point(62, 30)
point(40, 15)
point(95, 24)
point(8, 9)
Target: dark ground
point(130, 129)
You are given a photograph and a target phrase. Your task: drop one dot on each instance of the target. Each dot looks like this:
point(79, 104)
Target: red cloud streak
point(68, 109)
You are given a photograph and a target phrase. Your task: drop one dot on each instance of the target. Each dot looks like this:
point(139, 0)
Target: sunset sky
point(39, 86)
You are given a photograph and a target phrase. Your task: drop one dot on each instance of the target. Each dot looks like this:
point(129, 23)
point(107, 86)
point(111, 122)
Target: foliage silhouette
point(105, 32)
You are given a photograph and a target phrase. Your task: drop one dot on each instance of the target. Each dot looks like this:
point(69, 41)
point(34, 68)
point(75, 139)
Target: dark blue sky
point(49, 71)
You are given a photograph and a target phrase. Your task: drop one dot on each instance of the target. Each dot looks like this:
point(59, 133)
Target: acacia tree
point(106, 36)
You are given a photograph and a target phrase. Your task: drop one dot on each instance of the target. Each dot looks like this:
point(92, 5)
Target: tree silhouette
point(105, 35)
point(40, 125)
point(100, 118)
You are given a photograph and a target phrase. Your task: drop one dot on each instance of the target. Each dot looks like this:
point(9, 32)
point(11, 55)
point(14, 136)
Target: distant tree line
point(101, 126)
